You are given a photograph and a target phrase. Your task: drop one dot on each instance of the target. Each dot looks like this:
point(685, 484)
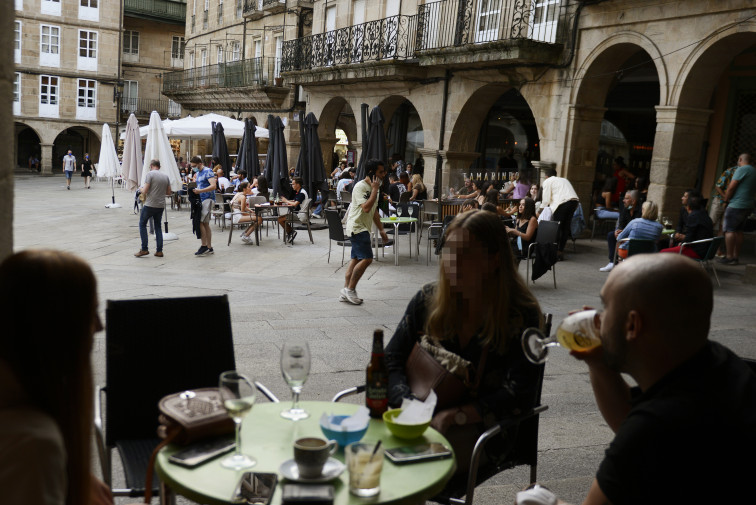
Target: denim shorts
point(361, 246)
point(735, 219)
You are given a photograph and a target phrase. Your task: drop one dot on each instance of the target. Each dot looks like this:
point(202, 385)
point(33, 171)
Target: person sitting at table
point(645, 227)
point(492, 197)
point(474, 190)
point(489, 207)
point(698, 226)
point(240, 211)
point(300, 195)
point(241, 176)
point(419, 191)
point(465, 190)
point(46, 390)
point(262, 190)
point(477, 309)
point(526, 226)
point(469, 205)
point(223, 182)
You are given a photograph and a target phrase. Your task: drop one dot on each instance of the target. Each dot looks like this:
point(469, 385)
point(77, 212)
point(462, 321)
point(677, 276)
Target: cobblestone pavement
point(279, 292)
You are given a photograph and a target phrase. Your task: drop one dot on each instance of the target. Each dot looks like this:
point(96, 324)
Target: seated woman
point(419, 192)
point(240, 211)
point(645, 227)
point(46, 387)
point(262, 190)
point(484, 187)
point(477, 310)
point(525, 228)
point(474, 190)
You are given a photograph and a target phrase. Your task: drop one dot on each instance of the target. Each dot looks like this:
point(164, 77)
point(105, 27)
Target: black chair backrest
point(640, 246)
point(716, 243)
point(158, 347)
point(335, 230)
point(547, 232)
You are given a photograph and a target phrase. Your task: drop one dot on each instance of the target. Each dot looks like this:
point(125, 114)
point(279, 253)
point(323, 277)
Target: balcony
point(247, 84)
point(170, 11)
point(143, 107)
point(446, 33)
point(274, 6)
point(253, 9)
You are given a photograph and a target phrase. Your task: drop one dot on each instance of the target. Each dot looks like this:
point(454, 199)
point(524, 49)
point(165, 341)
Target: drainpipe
point(442, 132)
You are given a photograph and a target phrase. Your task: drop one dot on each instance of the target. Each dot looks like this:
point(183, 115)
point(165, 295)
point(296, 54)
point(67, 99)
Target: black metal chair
point(336, 232)
point(524, 451)
point(714, 244)
point(548, 231)
point(635, 246)
point(154, 348)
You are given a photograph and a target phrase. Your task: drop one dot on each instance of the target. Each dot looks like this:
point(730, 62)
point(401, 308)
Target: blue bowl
point(343, 438)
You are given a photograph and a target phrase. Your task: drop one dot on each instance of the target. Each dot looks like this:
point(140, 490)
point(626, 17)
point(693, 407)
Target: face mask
point(195, 169)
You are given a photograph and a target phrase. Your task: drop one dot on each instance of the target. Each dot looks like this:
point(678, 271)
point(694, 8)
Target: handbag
point(425, 372)
point(185, 418)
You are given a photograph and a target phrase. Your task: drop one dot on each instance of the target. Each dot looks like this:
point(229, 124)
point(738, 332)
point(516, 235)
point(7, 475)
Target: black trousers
point(563, 214)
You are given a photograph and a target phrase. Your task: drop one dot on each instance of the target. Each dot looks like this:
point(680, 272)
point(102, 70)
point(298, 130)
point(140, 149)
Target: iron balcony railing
point(144, 106)
point(269, 3)
point(252, 7)
point(387, 38)
point(437, 25)
point(233, 74)
point(166, 9)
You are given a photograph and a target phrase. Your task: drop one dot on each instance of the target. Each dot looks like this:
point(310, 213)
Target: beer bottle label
point(376, 392)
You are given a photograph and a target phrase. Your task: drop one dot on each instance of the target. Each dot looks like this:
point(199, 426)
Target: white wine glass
point(238, 394)
point(411, 210)
point(577, 332)
point(295, 368)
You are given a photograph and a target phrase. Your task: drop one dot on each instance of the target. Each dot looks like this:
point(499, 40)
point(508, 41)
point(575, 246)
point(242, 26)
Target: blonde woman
point(645, 227)
point(419, 192)
point(477, 310)
point(46, 381)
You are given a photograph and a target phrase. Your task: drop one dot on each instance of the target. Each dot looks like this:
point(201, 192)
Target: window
point(87, 59)
point(220, 54)
point(86, 104)
point(49, 89)
point(191, 59)
point(235, 51)
point(220, 12)
point(177, 51)
point(239, 9)
point(50, 7)
point(279, 53)
point(258, 48)
point(203, 57)
point(17, 42)
point(130, 45)
point(88, 10)
point(130, 96)
point(19, 5)
point(205, 14)
point(17, 95)
point(49, 46)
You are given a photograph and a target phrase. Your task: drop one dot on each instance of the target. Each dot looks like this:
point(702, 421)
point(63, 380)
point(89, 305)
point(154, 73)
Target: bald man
point(687, 432)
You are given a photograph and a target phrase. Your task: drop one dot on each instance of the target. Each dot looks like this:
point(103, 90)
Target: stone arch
point(407, 137)
point(698, 75)
point(598, 71)
point(464, 133)
point(25, 143)
point(336, 113)
point(81, 139)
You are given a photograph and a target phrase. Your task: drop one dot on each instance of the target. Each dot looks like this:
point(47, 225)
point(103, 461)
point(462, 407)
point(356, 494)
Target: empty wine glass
point(295, 367)
point(238, 394)
point(578, 332)
point(411, 210)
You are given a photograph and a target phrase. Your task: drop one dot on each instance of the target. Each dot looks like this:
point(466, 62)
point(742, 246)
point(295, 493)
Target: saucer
point(331, 470)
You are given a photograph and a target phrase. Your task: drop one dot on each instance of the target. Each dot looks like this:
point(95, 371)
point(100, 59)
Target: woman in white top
point(46, 381)
point(240, 212)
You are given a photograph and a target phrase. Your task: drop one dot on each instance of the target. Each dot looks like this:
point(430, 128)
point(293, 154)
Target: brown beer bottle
point(376, 385)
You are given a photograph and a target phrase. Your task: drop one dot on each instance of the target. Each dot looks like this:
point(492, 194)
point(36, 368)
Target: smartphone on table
point(422, 452)
point(255, 488)
point(203, 451)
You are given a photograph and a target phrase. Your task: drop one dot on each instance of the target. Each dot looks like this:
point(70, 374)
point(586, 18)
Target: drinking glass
point(238, 394)
point(411, 210)
point(295, 367)
point(578, 332)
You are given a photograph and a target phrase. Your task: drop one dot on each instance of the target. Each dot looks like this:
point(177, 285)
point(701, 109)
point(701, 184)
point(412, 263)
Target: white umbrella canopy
point(143, 129)
point(132, 154)
point(159, 148)
point(108, 164)
point(201, 127)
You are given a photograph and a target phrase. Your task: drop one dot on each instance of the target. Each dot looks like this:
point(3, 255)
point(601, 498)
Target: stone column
point(680, 133)
point(326, 145)
point(582, 142)
point(357, 152)
point(455, 164)
point(541, 167)
point(45, 158)
point(7, 127)
point(429, 172)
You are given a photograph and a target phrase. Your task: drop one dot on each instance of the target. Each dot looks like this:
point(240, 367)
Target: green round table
point(396, 221)
point(268, 438)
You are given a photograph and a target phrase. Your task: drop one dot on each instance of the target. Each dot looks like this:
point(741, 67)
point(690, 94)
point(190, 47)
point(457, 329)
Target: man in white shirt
point(559, 194)
point(69, 167)
point(223, 181)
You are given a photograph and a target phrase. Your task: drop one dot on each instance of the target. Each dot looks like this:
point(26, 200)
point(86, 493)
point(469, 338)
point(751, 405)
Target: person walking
point(206, 183)
point(86, 170)
point(362, 214)
point(69, 167)
point(739, 200)
point(156, 187)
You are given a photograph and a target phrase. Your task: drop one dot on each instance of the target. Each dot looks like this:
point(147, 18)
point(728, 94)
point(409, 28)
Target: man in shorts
point(69, 167)
point(206, 181)
point(362, 214)
point(739, 200)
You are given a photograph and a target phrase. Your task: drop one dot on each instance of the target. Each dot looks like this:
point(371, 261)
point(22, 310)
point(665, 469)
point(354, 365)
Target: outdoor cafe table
point(268, 438)
point(396, 222)
point(260, 210)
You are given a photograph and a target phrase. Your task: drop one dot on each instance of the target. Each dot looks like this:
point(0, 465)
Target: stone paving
point(279, 292)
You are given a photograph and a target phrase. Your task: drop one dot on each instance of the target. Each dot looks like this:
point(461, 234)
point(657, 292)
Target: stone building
point(670, 85)
point(68, 55)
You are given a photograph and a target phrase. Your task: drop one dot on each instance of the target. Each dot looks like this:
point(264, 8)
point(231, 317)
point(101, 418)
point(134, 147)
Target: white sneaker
point(246, 239)
point(607, 268)
point(351, 296)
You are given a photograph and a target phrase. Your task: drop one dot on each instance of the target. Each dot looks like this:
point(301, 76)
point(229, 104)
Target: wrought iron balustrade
point(157, 8)
point(144, 106)
point(268, 3)
point(232, 74)
point(383, 39)
point(252, 7)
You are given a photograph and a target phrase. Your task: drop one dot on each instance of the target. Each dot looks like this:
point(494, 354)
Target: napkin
point(355, 422)
point(416, 411)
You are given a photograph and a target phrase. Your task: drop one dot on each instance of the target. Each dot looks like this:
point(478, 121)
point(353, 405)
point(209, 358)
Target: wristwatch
point(460, 418)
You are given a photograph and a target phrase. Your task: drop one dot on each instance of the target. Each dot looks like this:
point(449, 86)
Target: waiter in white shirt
point(559, 194)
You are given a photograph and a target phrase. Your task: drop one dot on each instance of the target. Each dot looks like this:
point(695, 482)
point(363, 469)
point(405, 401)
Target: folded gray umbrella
point(277, 164)
point(220, 148)
point(247, 158)
point(310, 165)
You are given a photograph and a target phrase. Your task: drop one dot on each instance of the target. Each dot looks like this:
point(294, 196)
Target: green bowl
point(406, 431)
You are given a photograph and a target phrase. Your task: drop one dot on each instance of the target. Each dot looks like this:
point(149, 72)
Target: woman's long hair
point(262, 187)
point(530, 209)
point(49, 304)
point(508, 301)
